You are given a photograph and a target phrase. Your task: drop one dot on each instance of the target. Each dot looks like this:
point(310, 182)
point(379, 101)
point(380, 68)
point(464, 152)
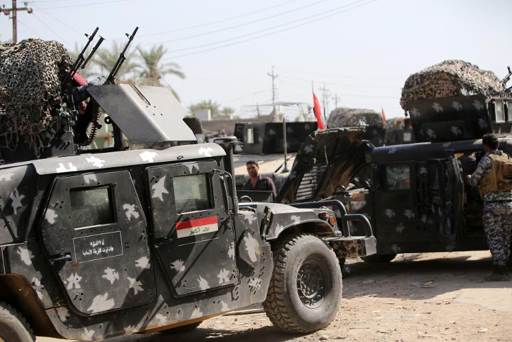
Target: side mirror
point(226, 181)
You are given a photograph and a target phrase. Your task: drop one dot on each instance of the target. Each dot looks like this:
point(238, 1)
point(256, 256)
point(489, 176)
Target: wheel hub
point(311, 284)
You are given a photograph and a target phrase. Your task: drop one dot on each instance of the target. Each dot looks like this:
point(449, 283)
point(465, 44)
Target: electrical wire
point(269, 31)
point(221, 21)
point(48, 27)
point(53, 17)
point(229, 28)
point(85, 4)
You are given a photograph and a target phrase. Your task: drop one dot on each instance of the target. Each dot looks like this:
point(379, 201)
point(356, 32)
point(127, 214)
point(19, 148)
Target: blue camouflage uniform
point(497, 214)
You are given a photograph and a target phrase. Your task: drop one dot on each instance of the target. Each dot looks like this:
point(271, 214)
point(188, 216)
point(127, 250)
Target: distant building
point(203, 114)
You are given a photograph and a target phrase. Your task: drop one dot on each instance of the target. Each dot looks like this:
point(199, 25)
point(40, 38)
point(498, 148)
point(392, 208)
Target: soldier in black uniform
point(256, 182)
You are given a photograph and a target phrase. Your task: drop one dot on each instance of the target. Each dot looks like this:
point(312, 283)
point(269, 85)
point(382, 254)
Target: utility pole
point(336, 98)
point(273, 75)
point(14, 17)
point(325, 99)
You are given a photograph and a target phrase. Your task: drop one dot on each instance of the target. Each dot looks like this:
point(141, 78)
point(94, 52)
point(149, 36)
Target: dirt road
point(420, 297)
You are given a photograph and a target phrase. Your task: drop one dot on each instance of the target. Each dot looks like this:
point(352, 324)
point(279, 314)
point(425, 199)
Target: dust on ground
point(417, 297)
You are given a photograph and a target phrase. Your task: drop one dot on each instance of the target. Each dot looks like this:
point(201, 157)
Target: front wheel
point(306, 285)
point(13, 326)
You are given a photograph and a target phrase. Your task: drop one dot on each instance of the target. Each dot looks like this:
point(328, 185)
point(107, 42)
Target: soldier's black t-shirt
point(263, 184)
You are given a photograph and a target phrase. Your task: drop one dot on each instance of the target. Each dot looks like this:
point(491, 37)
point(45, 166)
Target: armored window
point(191, 193)
point(91, 206)
point(499, 111)
point(398, 177)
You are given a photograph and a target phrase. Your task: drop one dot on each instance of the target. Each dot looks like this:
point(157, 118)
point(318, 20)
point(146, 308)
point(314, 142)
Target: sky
point(361, 51)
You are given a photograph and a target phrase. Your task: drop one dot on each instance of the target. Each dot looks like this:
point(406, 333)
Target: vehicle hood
point(325, 162)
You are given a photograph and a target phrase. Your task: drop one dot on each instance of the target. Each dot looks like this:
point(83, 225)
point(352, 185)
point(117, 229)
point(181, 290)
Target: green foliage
point(217, 112)
point(144, 66)
point(106, 58)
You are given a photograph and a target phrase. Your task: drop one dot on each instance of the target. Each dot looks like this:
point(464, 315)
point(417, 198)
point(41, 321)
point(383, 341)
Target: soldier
point(496, 191)
point(255, 181)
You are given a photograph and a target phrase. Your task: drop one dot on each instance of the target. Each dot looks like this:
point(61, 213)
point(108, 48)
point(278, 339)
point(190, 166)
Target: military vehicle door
point(94, 232)
point(418, 202)
point(193, 229)
point(440, 195)
point(395, 208)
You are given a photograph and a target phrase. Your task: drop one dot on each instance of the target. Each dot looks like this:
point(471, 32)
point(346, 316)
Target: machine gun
point(92, 110)
point(81, 61)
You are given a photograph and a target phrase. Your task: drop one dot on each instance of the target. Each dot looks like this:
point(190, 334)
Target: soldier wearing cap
point(491, 177)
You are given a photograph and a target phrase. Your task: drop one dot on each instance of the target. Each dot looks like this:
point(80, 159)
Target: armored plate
point(100, 161)
point(145, 114)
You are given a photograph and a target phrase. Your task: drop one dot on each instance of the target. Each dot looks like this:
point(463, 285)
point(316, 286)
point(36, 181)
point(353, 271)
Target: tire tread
point(275, 305)
point(7, 310)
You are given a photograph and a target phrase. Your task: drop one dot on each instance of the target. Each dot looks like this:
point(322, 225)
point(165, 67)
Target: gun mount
point(49, 110)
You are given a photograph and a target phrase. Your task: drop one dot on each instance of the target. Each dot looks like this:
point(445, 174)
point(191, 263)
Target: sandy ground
point(419, 297)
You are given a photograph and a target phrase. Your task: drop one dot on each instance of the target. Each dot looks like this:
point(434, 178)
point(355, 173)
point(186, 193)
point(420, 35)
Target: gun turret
point(92, 110)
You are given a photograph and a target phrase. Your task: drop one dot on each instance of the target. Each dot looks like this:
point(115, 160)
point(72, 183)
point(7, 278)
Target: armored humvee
point(414, 195)
point(103, 243)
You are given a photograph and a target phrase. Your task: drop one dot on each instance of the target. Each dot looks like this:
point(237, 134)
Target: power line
point(85, 4)
point(222, 21)
point(271, 28)
point(240, 39)
point(53, 17)
point(25, 25)
point(50, 28)
point(228, 28)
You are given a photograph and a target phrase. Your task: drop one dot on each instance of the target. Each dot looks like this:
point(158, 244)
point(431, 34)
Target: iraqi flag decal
point(198, 226)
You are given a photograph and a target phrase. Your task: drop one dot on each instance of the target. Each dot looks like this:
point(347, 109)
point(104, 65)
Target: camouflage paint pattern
point(497, 220)
point(133, 272)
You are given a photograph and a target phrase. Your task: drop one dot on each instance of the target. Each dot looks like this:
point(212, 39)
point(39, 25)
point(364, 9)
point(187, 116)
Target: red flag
point(383, 116)
point(318, 112)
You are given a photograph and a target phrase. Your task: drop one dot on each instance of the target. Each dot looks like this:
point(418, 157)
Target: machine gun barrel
point(93, 51)
point(80, 60)
point(122, 57)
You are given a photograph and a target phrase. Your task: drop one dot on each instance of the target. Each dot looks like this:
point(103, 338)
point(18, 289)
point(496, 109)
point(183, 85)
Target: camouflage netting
point(449, 78)
point(31, 96)
point(353, 117)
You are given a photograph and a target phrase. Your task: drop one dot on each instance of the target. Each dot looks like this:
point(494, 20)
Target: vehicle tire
point(378, 258)
point(13, 326)
point(306, 285)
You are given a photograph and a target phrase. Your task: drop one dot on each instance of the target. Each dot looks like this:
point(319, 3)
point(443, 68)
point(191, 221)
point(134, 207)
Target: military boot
point(499, 273)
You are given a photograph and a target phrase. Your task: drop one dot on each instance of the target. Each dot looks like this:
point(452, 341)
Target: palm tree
point(105, 59)
point(153, 69)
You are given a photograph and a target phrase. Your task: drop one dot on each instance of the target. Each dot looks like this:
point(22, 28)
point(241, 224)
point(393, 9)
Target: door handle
point(61, 257)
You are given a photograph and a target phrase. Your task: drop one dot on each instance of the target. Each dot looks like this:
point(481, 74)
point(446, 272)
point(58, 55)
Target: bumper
point(353, 246)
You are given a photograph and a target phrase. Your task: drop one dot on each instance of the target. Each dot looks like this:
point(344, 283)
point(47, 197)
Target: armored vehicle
point(103, 243)
point(415, 195)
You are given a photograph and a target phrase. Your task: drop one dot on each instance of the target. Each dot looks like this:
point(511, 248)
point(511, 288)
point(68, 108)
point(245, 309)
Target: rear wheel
point(306, 285)
point(13, 326)
point(378, 258)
